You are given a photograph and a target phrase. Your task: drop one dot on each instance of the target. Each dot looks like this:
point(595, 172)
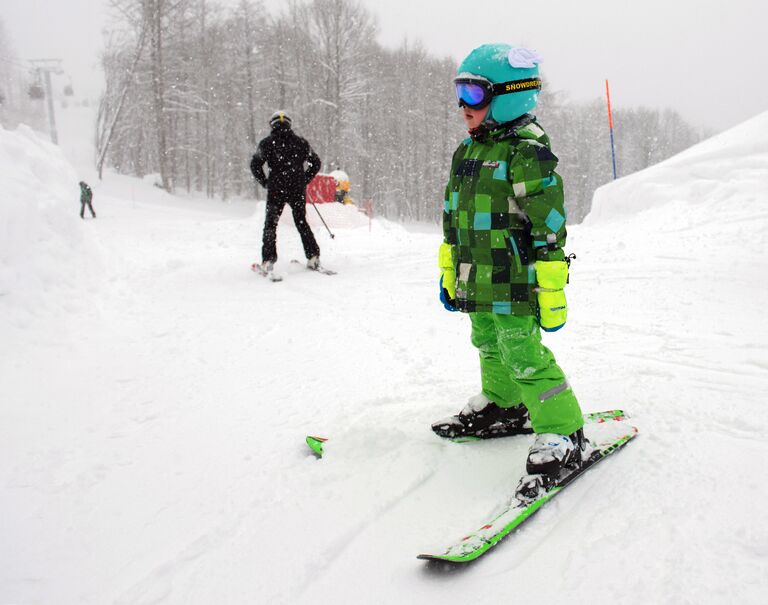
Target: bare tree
point(210, 76)
point(103, 141)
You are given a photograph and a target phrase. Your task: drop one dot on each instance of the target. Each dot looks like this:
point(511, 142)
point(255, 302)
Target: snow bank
point(43, 244)
point(336, 216)
point(686, 239)
point(703, 176)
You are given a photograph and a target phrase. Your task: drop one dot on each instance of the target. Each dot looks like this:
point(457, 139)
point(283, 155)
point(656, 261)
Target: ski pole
point(322, 219)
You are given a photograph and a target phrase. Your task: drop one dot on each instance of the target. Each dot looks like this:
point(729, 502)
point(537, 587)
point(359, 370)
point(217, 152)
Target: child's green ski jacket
point(503, 211)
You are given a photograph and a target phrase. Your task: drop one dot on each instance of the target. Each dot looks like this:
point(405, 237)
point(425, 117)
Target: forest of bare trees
point(581, 139)
point(190, 85)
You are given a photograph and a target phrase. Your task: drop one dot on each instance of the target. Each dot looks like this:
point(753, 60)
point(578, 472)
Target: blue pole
point(610, 126)
point(613, 155)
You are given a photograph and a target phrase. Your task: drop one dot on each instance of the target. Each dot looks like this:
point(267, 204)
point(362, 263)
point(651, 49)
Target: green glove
point(552, 277)
point(447, 270)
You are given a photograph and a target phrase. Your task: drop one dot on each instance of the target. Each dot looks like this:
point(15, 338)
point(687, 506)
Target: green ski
point(607, 431)
point(591, 417)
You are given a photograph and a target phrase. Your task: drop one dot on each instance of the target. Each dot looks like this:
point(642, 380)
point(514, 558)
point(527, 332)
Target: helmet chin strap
point(480, 134)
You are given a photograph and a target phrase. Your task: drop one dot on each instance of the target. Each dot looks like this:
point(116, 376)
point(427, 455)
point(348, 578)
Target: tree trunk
point(156, 14)
point(123, 94)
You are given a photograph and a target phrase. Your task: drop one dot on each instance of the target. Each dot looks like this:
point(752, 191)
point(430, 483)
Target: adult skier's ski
point(257, 268)
point(318, 269)
point(607, 431)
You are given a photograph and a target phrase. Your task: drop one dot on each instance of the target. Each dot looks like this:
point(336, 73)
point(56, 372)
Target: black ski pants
point(82, 209)
point(298, 204)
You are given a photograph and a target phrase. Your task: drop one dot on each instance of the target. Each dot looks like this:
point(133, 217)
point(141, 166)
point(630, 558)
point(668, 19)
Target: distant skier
point(502, 260)
point(292, 165)
point(86, 197)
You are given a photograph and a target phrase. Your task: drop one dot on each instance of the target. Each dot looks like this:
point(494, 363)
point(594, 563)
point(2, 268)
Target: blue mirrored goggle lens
point(471, 94)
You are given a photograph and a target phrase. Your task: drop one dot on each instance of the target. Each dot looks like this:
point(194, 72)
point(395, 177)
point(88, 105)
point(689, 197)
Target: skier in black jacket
point(86, 196)
point(285, 153)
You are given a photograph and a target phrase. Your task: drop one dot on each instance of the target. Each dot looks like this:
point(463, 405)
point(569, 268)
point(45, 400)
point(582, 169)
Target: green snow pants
point(516, 367)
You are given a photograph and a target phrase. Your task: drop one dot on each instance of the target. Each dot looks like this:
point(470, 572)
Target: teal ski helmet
point(513, 74)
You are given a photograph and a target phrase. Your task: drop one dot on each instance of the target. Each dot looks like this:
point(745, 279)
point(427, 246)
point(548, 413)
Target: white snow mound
point(726, 173)
point(43, 244)
point(336, 216)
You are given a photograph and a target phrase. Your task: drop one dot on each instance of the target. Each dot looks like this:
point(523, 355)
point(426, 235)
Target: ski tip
point(425, 557)
point(270, 275)
point(316, 444)
point(318, 269)
point(606, 416)
point(446, 559)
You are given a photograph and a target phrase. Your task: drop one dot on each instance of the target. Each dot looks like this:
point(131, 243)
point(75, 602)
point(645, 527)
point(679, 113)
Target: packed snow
point(156, 394)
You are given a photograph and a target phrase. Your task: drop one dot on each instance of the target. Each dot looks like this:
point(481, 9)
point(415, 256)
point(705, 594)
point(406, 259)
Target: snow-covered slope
point(152, 452)
point(46, 257)
point(720, 177)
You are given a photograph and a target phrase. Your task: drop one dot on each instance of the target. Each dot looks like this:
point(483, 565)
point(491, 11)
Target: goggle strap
point(504, 88)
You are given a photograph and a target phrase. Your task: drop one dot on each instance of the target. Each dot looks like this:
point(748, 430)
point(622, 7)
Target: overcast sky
point(705, 58)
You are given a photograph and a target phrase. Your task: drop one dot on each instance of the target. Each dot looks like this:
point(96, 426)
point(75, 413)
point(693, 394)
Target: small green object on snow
point(316, 445)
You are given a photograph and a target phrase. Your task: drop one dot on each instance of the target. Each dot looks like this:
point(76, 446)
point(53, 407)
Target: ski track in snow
point(331, 554)
point(158, 395)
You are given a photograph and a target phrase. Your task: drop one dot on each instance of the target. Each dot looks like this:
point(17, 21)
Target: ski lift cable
point(15, 63)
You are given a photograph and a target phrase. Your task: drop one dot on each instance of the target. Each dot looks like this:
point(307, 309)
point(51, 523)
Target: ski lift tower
point(44, 68)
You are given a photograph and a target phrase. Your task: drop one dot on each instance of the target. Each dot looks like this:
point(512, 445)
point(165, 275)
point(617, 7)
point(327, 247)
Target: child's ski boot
point(551, 459)
point(481, 418)
point(552, 453)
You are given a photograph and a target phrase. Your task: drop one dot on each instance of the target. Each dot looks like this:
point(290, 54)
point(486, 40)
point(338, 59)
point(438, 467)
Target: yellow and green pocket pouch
point(551, 277)
point(447, 270)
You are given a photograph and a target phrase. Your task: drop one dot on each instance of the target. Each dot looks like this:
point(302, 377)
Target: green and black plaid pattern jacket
point(503, 210)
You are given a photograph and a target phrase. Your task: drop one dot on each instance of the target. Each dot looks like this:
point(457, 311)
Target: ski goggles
point(477, 93)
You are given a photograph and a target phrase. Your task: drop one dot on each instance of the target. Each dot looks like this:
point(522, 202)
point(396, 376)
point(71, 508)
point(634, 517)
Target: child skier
point(502, 260)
